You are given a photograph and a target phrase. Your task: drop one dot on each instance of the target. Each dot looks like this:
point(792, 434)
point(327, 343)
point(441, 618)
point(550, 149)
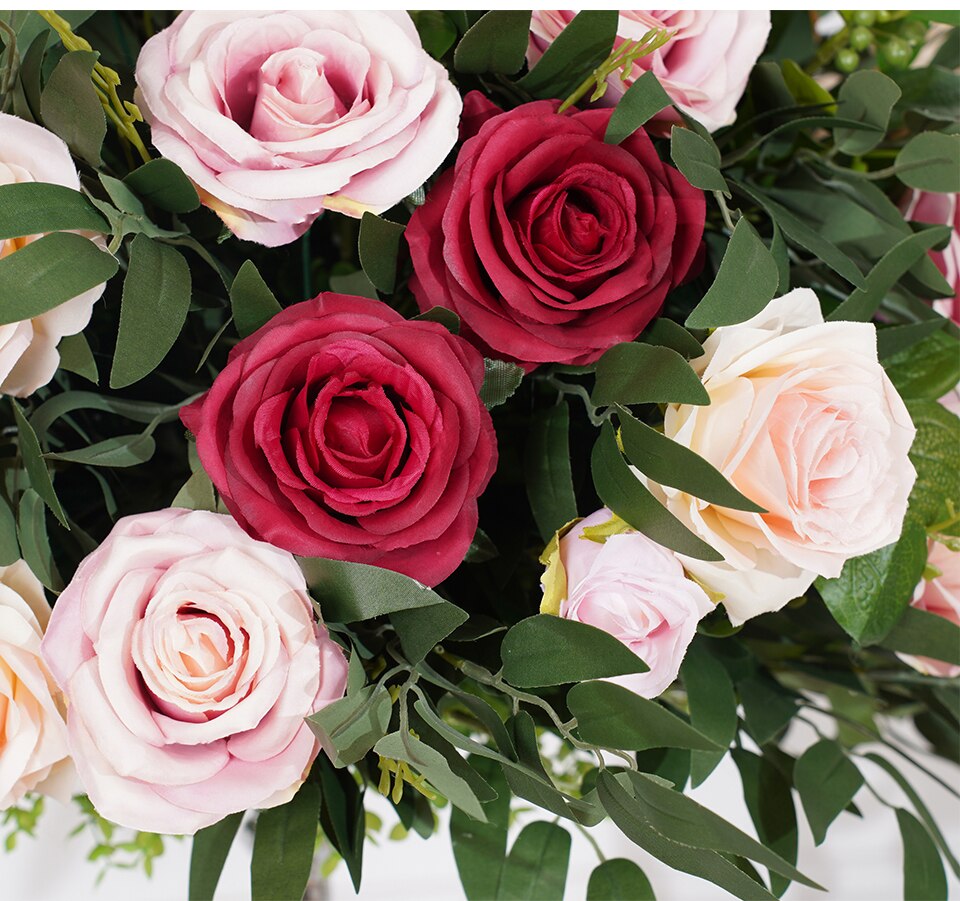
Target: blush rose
point(939, 595)
point(940, 209)
point(189, 656)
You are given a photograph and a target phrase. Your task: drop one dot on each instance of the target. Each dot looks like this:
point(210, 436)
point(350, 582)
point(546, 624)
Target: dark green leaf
point(827, 781)
point(872, 591)
point(210, 849)
point(924, 634)
point(354, 283)
point(31, 64)
point(76, 356)
point(929, 369)
point(867, 96)
point(196, 494)
point(118, 452)
point(496, 43)
point(31, 208)
point(437, 31)
point(671, 764)
point(923, 876)
point(447, 318)
point(162, 183)
point(547, 472)
point(70, 106)
point(500, 380)
point(9, 546)
point(354, 724)
point(283, 847)
point(697, 158)
point(667, 333)
point(35, 465)
point(930, 161)
point(931, 91)
point(712, 703)
point(619, 879)
point(342, 815)
point(421, 628)
point(49, 271)
point(549, 650)
point(614, 717)
point(536, 867)
point(746, 281)
point(935, 454)
point(640, 103)
point(625, 495)
point(767, 707)
point(634, 373)
point(378, 247)
point(896, 338)
point(252, 301)
point(577, 51)
point(34, 543)
point(156, 296)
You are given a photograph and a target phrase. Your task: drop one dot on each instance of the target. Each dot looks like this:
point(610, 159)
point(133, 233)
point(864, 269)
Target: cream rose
point(28, 349)
point(802, 420)
point(33, 735)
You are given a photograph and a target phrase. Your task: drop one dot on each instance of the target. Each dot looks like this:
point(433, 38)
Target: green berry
point(913, 31)
point(861, 38)
point(898, 53)
point(864, 17)
point(848, 60)
point(884, 15)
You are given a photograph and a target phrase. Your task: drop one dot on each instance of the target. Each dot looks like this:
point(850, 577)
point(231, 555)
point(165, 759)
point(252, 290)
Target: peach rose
point(940, 209)
point(189, 656)
point(620, 581)
point(804, 421)
point(939, 595)
point(33, 735)
point(276, 116)
point(704, 67)
point(28, 349)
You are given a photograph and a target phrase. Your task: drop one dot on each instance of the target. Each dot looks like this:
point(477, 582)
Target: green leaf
point(767, 707)
point(357, 283)
point(893, 339)
point(351, 726)
point(930, 161)
point(31, 208)
point(447, 318)
point(536, 867)
point(196, 494)
point(827, 781)
point(923, 876)
point(548, 650)
point(500, 380)
point(806, 90)
point(210, 849)
point(421, 628)
point(437, 31)
point(928, 370)
point(935, 454)
point(378, 247)
point(156, 297)
point(48, 272)
point(669, 463)
point(746, 282)
point(698, 159)
point(667, 333)
point(866, 96)
point(621, 491)
point(76, 356)
point(619, 879)
point(251, 300)
point(353, 592)
point(614, 717)
point(283, 847)
point(34, 543)
point(931, 91)
point(872, 591)
point(9, 545)
point(70, 107)
point(162, 183)
point(547, 472)
point(712, 703)
point(35, 465)
point(577, 51)
point(633, 373)
point(924, 634)
point(342, 815)
point(639, 103)
point(496, 43)
point(118, 453)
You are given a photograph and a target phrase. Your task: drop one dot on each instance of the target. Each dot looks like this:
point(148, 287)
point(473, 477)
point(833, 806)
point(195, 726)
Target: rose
point(276, 116)
point(551, 245)
point(704, 66)
point(341, 430)
point(939, 595)
point(803, 421)
point(620, 581)
point(189, 656)
point(33, 736)
point(940, 209)
point(28, 349)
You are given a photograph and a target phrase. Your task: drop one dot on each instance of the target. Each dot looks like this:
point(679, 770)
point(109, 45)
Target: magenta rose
point(342, 430)
point(189, 656)
point(550, 244)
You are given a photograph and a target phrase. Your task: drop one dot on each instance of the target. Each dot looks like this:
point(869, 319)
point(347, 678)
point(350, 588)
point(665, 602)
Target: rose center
point(579, 223)
point(355, 428)
point(202, 644)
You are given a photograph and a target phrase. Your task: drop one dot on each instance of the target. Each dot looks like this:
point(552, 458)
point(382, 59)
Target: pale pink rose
point(189, 656)
point(636, 590)
point(276, 116)
point(28, 349)
point(940, 209)
point(803, 421)
point(704, 67)
point(33, 735)
point(941, 595)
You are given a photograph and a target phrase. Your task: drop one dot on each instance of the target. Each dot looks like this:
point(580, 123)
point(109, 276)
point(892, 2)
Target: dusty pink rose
point(276, 116)
point(189, 656)
point(940, 595)
point(637, 591)
point(940, 209)
point(704, 67)
point(28, 349)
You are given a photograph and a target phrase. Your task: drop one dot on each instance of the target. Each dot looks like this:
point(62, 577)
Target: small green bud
point(898, 53)
point(848, 60)
point(861, 38)
point(913, 31)
point(864, 17)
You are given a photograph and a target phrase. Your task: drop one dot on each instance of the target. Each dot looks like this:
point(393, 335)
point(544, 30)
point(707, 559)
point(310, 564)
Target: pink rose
point(277, 116)
point(941, 595)
point(634, 589)
point(28, 349)
point(940, 209)
point(704, 67)
point(189, 656)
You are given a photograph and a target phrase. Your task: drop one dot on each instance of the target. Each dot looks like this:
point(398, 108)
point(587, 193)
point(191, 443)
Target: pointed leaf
point(619, 879)
point(210, 849)
point(378, 246)
point(283, 847)
point(827, 782)
point(536, 867)
point(253, 303)
point(634, 373)
point(497, 43)
point(639, 103)
point(547, 471)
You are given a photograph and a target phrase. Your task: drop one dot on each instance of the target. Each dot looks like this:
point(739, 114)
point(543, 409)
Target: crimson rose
point(551, 245)
point(342, 430)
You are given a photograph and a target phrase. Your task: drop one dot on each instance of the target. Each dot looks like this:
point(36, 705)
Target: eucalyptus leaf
point(34, 540)
point(713, 705)
point(868, 96)
point(827, 781)
point(208, 855)
point(76, 356)
point(117, 453)
point(923, 876)
point(32, 208)
point(421, 628)
point(283, 847)
point(930, 161)
point(70, 106)
point(9, 545)
point(36, 467)
point(619, 879)
point(536, 866)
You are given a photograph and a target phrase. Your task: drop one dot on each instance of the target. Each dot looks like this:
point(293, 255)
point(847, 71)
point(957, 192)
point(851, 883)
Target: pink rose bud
point(939, 595)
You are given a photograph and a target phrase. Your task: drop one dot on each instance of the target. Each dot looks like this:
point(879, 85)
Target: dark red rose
point(342, 430)
point(551, 245)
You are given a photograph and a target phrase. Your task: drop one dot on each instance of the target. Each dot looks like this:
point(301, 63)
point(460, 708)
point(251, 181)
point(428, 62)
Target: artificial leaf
point(712, 703)
point(76, 356)
point(36, 467)
point(9, 545)
point(639, 103)
point(935, 454)
point(70, 106)
point(924, 634)
point(634, 373)
point(867, 96)
point(698, 159)
point(162, 183)
point(767, 707)
point(342, 815)
point(496, 43)
point(196, 494)
point(930, 161)
point(827, 781)
point(352, 725)
point(923, 875)
point(32, 208)
point(117, 453)
point(667, 333)
point(421, 628)
point(252, 301)
point(619, 879)
point(208, 855)
point(547, 473)
point(378, 247)
point(500, 380)
point(34, 541)
point(927, 370)
point(437, 31)
point(536, 866)
point(283, 847)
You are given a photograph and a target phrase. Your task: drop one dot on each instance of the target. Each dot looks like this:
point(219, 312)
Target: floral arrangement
point(393, 399)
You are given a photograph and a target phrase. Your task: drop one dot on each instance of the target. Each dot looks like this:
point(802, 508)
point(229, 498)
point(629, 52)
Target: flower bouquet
point(486, 411)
